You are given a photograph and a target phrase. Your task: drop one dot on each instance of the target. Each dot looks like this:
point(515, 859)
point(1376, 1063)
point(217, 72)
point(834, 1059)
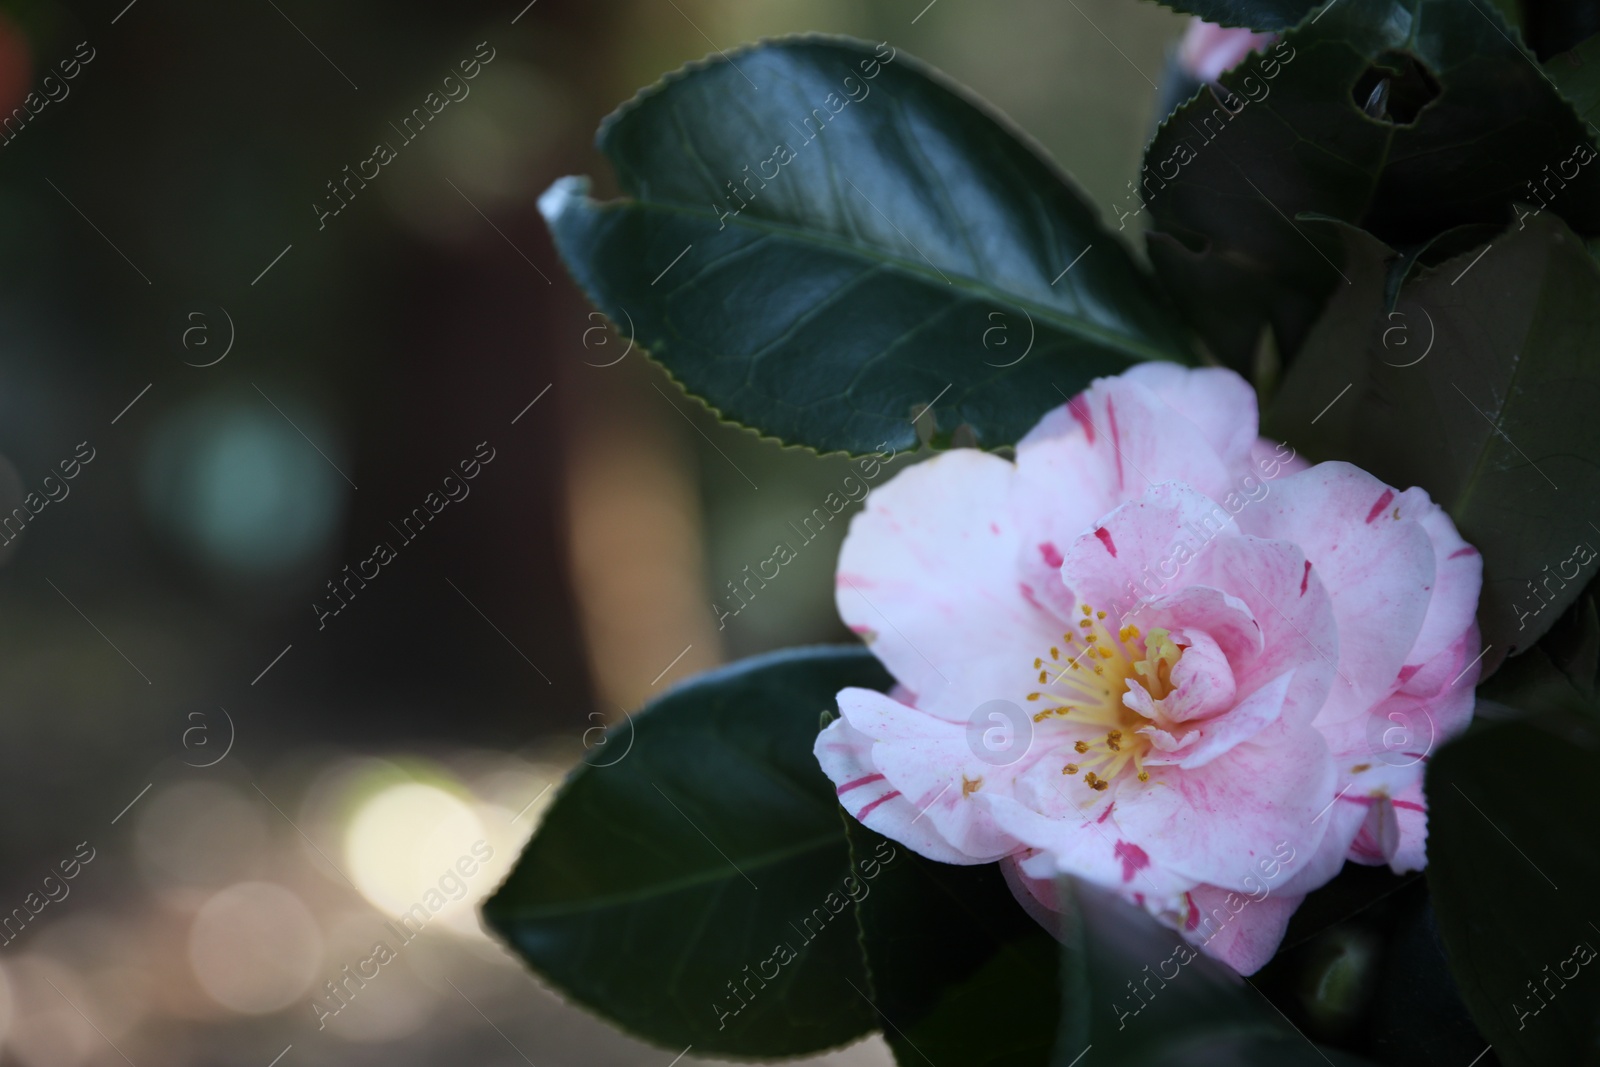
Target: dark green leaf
point(1480, 387)
point(1352, 891)
point(909, 249)
point(659, 887)
point(1555, 26)
point(1559, 674)
point(1139, 995)
point(1577, 74)
point(1573, 644)
point(1513, 859)
point(959, 971)
point(1470, 127)
point(1419, 1019)
point(1254, 14)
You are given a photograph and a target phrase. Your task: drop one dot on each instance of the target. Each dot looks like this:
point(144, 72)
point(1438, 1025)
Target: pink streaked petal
point(1086, 847)
point(1061, 488)
point(856, 783)
point(1385, 750)
point(1379, 574)
point(1213, 823)
point(1298, 633)
point(1224, 617)
point(1156, 535)
point(1217, 736)
point(1202, 682)
point(1312, 868)
point(1410, 851)
point(1453, 605)
point(845, 756)
point(873, 805)
point(1241, 930)
point(1144, 441)
point(921, 568)
point(931, 762)
point(1219, 404)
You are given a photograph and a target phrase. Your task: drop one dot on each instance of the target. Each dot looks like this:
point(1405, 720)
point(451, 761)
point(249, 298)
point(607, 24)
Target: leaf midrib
point(597, 902)
point(1495, 432)
point(964, 283)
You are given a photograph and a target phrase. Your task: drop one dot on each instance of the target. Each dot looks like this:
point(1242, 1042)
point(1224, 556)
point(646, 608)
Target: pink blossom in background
point(1209, 50)
point(1220, 669)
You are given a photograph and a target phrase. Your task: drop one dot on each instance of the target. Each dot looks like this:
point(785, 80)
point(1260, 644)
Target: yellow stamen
point(1120, 658)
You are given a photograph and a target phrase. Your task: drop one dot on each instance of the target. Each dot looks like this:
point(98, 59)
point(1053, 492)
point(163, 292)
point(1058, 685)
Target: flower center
point(1086, 689)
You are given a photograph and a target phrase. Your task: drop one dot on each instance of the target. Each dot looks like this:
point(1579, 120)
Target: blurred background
point(228, 372)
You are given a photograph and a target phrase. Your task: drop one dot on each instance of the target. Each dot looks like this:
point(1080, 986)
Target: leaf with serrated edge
point(909, 249)
point(1495, 421)
point(1228, 189)
point(659, 884)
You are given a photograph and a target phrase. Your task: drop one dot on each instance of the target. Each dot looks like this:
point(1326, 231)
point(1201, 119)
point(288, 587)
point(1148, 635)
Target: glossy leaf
point(1513, 858)
point(1137, 994)
point(1419, 1019)
point(820, 239)
point(1352, 891)
point(1463, 126)
point(662, 887)
point(960, 972)
point(1479, 387)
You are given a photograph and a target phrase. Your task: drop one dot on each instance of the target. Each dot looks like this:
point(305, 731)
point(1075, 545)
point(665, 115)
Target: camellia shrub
point(1226, 674)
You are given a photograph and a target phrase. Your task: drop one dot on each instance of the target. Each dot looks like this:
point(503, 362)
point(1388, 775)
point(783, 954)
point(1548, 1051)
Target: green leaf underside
point(1512, 864)
point(960, 972)
point(638, 896)
point(1496, 423)
point(898, 245)
point(1205, 1015)
point(1223, 187)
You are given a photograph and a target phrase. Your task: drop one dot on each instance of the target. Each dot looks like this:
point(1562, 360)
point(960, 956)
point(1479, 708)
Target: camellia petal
point(846, 757)
point(927, 576)
point(1213, 672)
point(1376, 562)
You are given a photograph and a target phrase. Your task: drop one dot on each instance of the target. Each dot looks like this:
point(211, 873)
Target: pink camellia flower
point(1207, 50)
point(1159, 653)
